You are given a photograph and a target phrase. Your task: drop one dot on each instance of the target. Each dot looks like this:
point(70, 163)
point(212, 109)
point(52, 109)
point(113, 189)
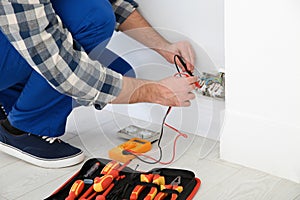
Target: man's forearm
point(171, 91)
point(135, 91)
point(139, 29)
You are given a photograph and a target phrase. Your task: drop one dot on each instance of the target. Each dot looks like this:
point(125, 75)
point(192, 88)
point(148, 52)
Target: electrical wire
point(137, 155)
point(173, 154)
point(187, 73)
point(183, 64)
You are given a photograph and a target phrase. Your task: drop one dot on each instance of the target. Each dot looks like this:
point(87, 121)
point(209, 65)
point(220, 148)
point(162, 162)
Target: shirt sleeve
point(38, 35)
point(122, 9)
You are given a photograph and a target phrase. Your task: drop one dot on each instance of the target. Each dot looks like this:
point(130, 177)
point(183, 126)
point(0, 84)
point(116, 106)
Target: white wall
point(200, 22)
point(262, 45)
point(203, 117)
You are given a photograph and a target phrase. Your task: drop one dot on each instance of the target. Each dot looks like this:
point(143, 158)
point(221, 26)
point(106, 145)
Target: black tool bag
point(130, 178)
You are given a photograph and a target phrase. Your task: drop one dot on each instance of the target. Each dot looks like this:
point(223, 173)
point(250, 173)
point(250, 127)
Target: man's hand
point(183, 49)
point(176, 91)
point(172, 91)
point(138, 28)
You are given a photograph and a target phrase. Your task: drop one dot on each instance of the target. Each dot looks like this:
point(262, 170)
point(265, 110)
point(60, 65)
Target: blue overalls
point(33, 105)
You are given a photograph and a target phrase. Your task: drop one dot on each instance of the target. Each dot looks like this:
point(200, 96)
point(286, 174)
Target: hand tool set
point(101, 179)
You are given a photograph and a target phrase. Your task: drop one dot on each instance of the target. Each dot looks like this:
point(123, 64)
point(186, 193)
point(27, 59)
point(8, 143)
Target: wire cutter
point(173, 186)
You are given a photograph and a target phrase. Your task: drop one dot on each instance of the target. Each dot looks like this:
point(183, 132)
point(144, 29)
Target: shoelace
point(50, 139)
point(3, 110)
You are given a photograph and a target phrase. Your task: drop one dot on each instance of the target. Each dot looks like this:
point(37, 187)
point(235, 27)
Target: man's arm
point(38, 35)
point(138, 28)
point(172, 91)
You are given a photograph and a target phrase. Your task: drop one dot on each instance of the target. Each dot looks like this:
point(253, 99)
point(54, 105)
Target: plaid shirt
point(39, 36)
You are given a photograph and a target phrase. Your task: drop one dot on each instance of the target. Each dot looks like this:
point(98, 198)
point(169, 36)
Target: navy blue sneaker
point(3, 114)
point(42, 151)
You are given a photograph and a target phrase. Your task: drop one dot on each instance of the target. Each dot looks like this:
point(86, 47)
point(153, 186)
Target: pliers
point(147, 178)
point(173, 186)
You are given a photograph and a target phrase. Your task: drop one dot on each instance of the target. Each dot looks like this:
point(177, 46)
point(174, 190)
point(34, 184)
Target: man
point(44, 66)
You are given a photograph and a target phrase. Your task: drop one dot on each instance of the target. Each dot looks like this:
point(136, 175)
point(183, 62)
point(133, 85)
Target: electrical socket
point(212, 85)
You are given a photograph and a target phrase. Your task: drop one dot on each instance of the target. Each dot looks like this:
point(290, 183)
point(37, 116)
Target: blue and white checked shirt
point(38, 35)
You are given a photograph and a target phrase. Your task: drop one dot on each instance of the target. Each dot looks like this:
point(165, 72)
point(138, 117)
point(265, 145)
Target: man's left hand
point(183, 49)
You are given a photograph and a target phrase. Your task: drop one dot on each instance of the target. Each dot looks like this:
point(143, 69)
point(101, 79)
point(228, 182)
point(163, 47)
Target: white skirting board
point(269, 146)
point(203, 118)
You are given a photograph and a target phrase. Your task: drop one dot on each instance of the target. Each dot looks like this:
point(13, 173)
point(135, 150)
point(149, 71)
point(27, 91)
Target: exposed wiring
point(211, 85)
point(187, 73)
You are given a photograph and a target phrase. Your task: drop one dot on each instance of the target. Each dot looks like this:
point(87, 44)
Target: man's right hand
point(171, 91)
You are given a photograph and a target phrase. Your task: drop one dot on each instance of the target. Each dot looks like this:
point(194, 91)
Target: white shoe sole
point(41, 162)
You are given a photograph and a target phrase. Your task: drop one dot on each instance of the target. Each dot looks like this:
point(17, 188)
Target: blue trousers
point(32, 104)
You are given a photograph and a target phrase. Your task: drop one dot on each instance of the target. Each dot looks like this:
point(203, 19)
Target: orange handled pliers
point(173, 186)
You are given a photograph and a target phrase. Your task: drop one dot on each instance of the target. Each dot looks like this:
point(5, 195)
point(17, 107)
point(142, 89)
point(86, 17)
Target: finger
point(191, 96)
point(189, 56)
point(188, 62)
point(192, 55)
point(179, 63)
point(192, 79)
point(191, 87)
point(185, 104)
point(186, 59)
point(190, 67)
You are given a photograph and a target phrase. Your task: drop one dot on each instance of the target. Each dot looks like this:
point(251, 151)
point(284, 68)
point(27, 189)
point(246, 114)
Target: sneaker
point(3, 114)
point(42, 151)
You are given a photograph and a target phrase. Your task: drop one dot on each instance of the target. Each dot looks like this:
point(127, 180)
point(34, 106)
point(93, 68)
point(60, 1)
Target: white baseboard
point(203, 118)
point(269, 146)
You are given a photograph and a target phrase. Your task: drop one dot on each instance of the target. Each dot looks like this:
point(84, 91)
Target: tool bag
point(130, 179)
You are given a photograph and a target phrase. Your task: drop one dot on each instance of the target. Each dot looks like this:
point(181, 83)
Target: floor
point(95, 132)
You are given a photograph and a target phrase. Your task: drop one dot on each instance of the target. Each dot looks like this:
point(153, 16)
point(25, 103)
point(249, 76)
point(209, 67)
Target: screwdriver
point(75, 190)
point(111, 172)
point(102, 183)
point(92, 170)
point(107, 169)
point(105, 193)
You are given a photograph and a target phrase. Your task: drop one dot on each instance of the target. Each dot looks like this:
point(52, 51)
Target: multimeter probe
point(134, 148)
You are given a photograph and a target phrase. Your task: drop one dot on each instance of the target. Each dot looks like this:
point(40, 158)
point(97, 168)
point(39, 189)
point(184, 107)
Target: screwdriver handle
point(109, 167)
point(136, 191)
point(160, 196)
point(101, 183)
point(151, 194)
point(75, 190)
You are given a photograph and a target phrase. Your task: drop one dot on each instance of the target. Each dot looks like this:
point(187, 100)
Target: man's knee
point(91, 22)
